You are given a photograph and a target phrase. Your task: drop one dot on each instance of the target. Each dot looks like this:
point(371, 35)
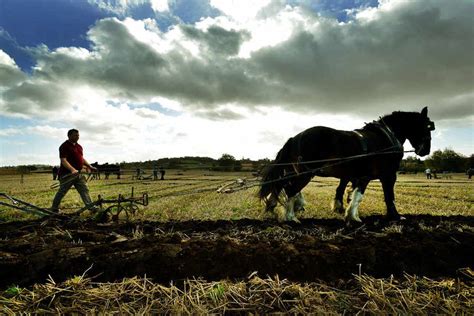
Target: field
point(194, 250)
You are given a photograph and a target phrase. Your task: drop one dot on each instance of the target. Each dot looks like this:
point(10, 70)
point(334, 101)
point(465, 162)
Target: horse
point(372, 152)
point(107, 169)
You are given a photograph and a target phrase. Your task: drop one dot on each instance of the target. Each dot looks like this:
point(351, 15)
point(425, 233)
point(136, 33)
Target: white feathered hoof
point(293, 219)
point(353, 222)
point(353, 219)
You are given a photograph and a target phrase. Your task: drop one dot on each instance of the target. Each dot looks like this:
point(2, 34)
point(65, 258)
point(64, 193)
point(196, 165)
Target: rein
point(380, 152)
point(70, 178)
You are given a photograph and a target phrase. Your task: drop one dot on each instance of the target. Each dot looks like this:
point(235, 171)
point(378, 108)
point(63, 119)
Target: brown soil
point(313, 250)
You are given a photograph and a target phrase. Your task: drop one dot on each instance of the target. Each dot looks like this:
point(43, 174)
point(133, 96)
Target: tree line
point(440, 160)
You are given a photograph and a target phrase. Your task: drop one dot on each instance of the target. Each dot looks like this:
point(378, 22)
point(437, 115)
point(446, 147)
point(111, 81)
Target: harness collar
point(386, 130)
point(362, 140)
point(389, 133)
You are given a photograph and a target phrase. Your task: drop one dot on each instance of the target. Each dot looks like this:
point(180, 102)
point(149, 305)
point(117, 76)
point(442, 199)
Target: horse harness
point(386, 130)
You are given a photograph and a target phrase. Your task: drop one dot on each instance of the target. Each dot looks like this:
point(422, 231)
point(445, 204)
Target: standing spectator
point(162, 173)
point(55, 173)
point(428, 173)
point(72, 161)
point(155, 172)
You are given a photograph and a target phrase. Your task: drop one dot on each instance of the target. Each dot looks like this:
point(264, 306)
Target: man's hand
point(74, 171)
point(92, 169)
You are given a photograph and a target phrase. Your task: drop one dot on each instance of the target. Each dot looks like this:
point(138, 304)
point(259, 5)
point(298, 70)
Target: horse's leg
point(271, 203)
point(337, 205)
point(295, 197)
point(352, 211)
point(350, 190)
point(388, 183)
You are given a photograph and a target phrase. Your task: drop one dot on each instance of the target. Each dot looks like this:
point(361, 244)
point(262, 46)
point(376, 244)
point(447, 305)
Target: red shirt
point(73, 154)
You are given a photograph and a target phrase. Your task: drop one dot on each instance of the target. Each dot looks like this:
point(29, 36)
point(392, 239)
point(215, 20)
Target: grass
point(191, 195)
point(363, 294)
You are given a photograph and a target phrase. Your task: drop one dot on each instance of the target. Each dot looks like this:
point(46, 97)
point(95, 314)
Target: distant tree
point(412, 165)
point(226, 162)
point(446, 160)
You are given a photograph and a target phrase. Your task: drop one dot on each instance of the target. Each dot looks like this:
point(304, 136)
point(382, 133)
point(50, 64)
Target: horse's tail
point(271, 185)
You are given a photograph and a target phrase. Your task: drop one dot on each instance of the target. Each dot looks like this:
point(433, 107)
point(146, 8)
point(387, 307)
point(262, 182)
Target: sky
point(148, 79)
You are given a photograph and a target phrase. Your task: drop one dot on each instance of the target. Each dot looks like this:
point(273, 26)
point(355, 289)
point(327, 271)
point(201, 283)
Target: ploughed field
point(189, 232)
point(313, 250)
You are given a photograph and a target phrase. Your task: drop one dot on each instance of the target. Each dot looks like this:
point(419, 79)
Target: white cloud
point(160, 5)
point(10, 74)
point(240, 10)
point(7, 60)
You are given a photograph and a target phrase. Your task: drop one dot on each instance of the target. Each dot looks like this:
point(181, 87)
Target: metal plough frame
point(121, 205)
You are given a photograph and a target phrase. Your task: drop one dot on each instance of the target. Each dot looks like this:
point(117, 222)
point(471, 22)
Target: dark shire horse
point(372, 152)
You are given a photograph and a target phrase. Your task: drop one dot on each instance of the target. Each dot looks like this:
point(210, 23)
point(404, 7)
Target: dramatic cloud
point(401, 55)
point(261, 71)
point(10, 74)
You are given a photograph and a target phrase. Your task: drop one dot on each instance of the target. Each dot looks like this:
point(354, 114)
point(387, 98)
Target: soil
point(313, 250)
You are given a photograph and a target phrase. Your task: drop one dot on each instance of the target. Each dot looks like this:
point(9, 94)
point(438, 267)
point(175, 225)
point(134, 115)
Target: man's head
point(73, 135)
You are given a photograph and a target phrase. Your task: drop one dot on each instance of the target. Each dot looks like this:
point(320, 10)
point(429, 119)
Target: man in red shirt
point(72, 161)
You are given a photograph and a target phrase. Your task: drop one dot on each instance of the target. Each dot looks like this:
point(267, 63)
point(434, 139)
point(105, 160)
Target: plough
point(100, 208)
point(25, 206)
point(127, 206)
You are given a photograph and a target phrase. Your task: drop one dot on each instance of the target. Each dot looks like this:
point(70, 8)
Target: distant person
point(72, 161)
point(55, 173)
point(138, 173)
point(470, 172)
point(428, 173)
point(162, 173)
point(155, 172)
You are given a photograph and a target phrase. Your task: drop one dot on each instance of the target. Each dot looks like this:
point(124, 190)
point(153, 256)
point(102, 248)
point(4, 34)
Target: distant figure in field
point(55, 173)
point(428, 173)
point(138, 173)
point(162, 173)
point(470, 172)
point(72, 161)
point(155, 172)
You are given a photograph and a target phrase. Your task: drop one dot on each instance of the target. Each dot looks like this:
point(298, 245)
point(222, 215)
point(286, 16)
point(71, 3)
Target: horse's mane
point(396, 116)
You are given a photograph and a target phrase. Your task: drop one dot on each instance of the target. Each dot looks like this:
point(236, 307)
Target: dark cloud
point(416, 53)
point(10, 76)
point(217, 39)
point(35, 98)
point(220, 115)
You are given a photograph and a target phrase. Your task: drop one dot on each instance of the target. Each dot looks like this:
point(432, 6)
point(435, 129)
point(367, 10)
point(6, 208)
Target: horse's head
point(419, 135)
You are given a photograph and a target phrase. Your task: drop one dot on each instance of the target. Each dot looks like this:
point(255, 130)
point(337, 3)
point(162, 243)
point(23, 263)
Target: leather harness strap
point(390, 135)
point(363, 141)
point(385, 130)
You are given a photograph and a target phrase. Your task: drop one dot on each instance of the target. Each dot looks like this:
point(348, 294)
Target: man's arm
point(68, 166)
point(88, 165)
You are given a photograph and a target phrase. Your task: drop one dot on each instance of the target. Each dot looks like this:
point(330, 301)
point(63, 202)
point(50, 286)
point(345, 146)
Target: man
point(155, 172)
point(162, 173)
point(428, 173)
point(55, 172)
point(72, 161)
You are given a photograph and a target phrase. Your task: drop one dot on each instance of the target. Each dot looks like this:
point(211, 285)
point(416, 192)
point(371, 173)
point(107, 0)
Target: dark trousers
point(65, 183)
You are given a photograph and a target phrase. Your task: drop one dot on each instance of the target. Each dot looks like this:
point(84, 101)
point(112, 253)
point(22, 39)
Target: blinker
point(431, 126)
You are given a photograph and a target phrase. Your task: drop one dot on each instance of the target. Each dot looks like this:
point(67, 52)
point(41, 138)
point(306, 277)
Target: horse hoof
point(395, 218)
point(294, 220)
point(355, 220)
